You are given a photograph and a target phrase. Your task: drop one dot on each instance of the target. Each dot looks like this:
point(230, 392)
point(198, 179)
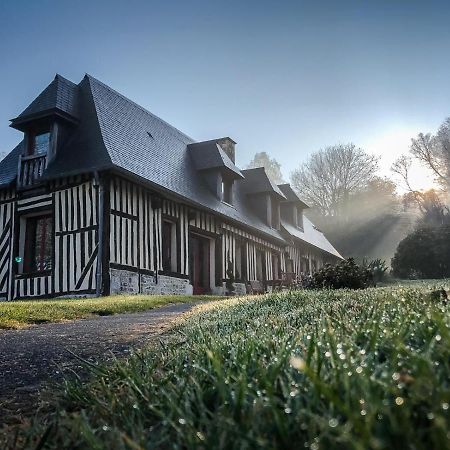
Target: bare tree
point(402, 167)
point(430, 203)
point(433, 151)
point(272, 166)
point(328, 178)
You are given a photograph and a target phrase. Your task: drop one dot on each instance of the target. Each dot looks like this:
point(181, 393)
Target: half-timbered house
point(102, 197)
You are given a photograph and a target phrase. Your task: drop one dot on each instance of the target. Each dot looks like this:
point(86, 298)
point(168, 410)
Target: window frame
point(172, 267)
point(275, 214)
point(240, 264)
point(227, 191)
point(276, 266)
point(31, 147)
point(27, 251)
point(300, 218)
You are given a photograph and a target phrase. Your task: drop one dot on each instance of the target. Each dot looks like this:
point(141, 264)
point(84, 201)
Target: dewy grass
point(317, 370)
point(22, 313)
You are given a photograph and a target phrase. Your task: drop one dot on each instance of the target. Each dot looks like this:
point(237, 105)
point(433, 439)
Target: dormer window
point(297, 216)
point(39, 143)
point(300, 218)
point(227, 191)
point(275, 214)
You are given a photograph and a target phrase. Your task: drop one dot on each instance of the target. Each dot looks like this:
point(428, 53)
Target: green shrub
point(345, 274)
point(425, 253)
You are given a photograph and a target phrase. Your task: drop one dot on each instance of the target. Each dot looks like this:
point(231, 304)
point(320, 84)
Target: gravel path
point(33, 357)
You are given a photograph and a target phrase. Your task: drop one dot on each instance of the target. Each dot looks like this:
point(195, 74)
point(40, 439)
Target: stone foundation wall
point(124, 282)
point(148, 285)
point(174, 286)
point(127, 282)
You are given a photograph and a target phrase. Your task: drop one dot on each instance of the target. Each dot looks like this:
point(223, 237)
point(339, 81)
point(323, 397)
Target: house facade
point(102, 197)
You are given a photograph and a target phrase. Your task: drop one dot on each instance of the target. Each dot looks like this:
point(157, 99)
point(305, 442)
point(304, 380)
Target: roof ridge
point(90, 77)
point(97, 116)
point(64, 79)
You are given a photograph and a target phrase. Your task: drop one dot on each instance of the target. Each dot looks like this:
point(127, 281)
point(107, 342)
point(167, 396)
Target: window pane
point(275, 214)
point(38, 255)
point(44, 248)
point(300, 219)
point(227, 192)
point(41, 143)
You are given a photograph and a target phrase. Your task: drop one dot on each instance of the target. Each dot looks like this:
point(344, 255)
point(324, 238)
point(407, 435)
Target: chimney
point(227, 144)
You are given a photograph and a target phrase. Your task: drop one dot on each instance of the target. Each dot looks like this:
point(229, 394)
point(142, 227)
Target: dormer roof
point(291, 195)
point(59, 97)
point(258, 182)
point(208, 155)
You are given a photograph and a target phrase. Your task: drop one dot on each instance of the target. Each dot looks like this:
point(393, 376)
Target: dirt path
point(32, 358)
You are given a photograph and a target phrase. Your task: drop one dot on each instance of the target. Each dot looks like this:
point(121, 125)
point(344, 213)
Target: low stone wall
point(127, 282)
point(174, 286)
point(124, 282)
point(148, 285)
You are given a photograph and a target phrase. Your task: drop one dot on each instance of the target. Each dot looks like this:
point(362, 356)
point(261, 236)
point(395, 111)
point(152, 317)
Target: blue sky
point(285, 77)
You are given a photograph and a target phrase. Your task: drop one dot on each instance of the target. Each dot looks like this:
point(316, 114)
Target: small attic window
point(39, 144)
point(300, 218)
point(275, 219)
point(227, 191)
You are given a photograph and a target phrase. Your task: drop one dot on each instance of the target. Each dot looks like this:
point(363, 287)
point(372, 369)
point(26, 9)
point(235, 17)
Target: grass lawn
point(309, 369)
point(22, 313)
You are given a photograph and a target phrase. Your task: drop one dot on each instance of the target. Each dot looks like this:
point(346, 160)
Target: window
point(276, 266)
point(169, 246)
point(289, 265)
point(38, 246)
point(260, 266)
point(300, 218)
point(275, 214)
point(39, 143)
point(241, 261)
point(227, 191)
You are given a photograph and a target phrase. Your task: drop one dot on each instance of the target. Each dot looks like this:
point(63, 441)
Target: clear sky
point(285, 77)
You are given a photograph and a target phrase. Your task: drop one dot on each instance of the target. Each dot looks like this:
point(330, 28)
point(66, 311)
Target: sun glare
point(393, 144)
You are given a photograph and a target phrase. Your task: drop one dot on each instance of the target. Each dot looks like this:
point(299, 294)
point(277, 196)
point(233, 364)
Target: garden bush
point(345, 274)
point(425, 253)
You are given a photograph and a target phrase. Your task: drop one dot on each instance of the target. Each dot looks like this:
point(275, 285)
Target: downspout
point(101, 231)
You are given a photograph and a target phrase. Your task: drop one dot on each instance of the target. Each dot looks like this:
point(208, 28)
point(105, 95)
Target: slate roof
point(257, 182)
point(114, 133)
point(8, 166)
point(291, 195)
point(209, 155)
point(60, 95)
point(311, 235)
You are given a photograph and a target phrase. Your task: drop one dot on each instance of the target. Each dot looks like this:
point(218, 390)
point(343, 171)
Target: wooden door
point(199, 264)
